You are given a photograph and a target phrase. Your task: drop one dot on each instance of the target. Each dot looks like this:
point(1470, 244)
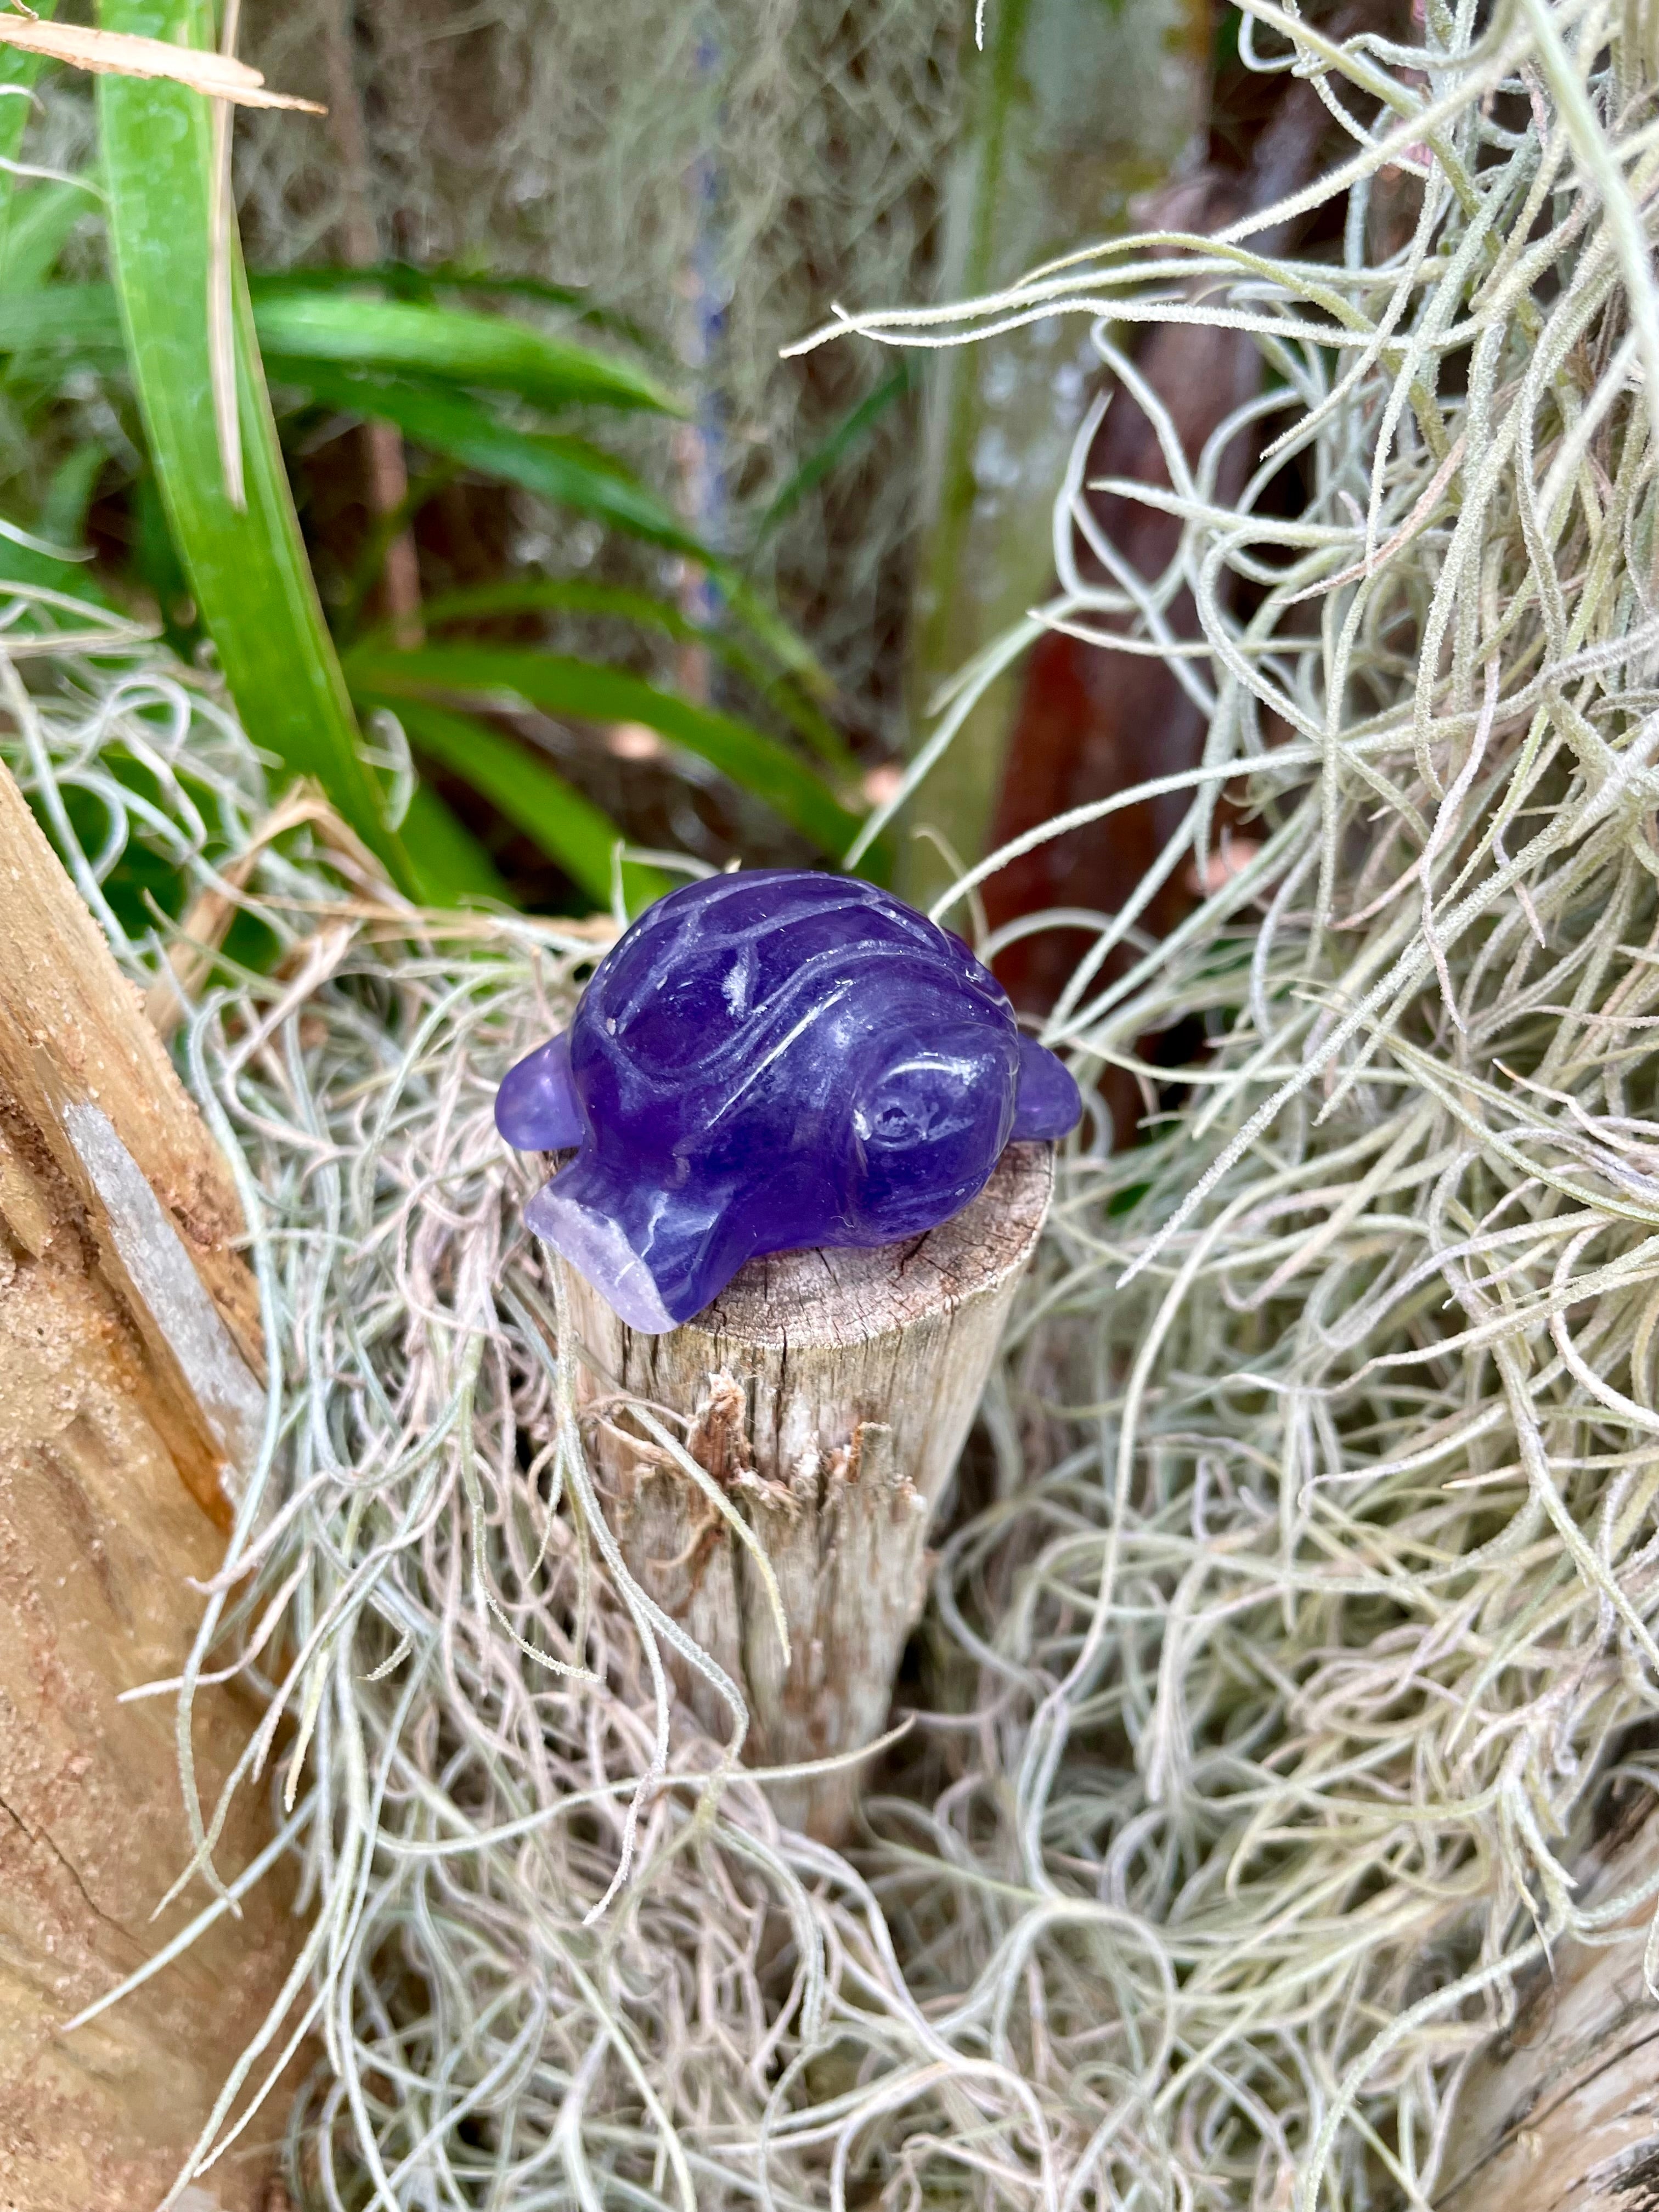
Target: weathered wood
point(829, 1393)
point(1561, 2114)
point(128, 1345)
point(89, 1090)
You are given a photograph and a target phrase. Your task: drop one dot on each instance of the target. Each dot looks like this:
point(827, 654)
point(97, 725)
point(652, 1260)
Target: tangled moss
point(1317, 1586)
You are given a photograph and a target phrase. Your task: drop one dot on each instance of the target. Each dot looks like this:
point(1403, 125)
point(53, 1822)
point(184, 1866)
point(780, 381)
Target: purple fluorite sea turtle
point(768, 1060)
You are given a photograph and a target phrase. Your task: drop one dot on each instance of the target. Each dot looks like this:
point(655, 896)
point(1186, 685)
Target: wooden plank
point(88, 1089)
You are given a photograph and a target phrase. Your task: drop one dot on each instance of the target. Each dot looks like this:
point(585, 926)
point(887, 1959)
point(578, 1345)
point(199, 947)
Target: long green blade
point(406, 280)
point(757, 763)
point(247, 569)
point(454, 344)
point(447, 863)
point(21, 70)
point(569, 828)
point(41, 220)
point(576, 595)
point(79, 323)
point(845, 439)
point(76, 322)
point(567, 470)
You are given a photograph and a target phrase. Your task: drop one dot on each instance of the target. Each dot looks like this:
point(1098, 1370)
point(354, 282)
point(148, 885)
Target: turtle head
point(928, 1123)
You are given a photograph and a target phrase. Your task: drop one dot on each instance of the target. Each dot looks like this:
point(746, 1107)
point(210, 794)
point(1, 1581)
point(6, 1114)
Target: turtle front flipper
point(537, 1109)
point(656, 1256)
point(1048, 1104)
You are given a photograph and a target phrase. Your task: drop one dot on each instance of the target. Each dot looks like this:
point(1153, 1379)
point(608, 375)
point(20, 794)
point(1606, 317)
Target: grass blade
point(41, 220)
point(846, 438)
point(404, 280)
point(62, 523)
point(757, 763)
point(569, 828)
point(575, 595)
point(247, 568)
point(568, 471)
point(453, 344)
point(21, 73)
point(447, 864)
point(79, 322)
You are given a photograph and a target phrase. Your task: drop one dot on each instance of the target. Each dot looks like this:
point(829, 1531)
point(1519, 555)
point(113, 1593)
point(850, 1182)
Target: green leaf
point(847, 436)
point(63, 512)
point(757, 763)
point(569, 828)
point(80, 322)
point(155, 561)
point(406, 280)
point(247, 569)
point(22, 71)
point(567, 470)
point(30, 564)
point(574, 595)
point(454, 345)
point(42, 218)
point(447, 863)
point(77, 322)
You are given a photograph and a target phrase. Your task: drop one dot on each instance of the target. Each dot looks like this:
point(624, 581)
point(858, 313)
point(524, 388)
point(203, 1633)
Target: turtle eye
point(927, 1128)
point(896, 1122)
point(919, 1103)
point(936, 1116)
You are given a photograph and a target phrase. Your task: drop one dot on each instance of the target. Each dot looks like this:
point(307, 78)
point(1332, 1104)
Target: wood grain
point(829, 1393)
point(128, 1330)
point(80, 1066)
point(1561, 2113)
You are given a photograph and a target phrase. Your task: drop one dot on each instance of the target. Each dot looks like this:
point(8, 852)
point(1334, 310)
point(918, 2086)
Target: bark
point(829, 1393)
point(129, 1346)
point(1561, 2114)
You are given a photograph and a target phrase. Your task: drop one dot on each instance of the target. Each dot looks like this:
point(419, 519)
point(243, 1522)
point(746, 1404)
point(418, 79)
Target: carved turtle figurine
point(764, 1061)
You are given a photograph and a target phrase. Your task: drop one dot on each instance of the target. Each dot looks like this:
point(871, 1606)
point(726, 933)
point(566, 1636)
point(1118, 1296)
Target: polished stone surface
point(765, 1061)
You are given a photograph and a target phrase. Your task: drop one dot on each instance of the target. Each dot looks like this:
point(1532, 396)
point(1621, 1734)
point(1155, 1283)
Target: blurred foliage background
point(593, 562)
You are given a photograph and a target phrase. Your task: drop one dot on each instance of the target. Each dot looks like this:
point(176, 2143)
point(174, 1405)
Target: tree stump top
point(825, 1299)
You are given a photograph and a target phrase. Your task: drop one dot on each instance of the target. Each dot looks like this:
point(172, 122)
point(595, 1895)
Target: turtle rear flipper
point(656, 1256)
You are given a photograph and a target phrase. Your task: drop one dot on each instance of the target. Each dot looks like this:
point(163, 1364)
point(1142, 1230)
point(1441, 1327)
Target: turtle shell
point(767, 1061)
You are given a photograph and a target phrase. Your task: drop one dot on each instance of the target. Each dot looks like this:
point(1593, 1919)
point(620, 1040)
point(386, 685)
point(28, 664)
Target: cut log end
point(825, 1299)
point(830, 1392)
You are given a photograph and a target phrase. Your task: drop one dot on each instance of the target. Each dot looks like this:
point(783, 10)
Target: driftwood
point(1561, 2114)
point(128, 1397)
point(829, 1394)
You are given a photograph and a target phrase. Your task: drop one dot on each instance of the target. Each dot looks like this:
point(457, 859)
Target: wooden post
point(129, 1398)
point(829, 1393)
point(1561, 2112)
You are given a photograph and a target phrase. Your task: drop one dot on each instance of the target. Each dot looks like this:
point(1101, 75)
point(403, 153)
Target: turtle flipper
point(1048, 1104)
point(537, 1109)
point(657, 1258)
